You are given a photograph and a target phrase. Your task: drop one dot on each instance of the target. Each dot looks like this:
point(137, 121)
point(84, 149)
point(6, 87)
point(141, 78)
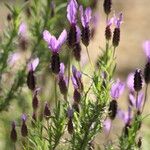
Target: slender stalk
point(137, 93)
point(145, 97)
point(15, 146)
point(89, 57)
point(55, 88)
point(69, 65)
point(114, 51)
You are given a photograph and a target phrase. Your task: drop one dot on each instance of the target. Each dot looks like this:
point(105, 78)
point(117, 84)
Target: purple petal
point(117, 89)
point(33, 64)
point(130, 82)
point(24, 117)
point(146, 47)
point(132, 99)
point(53, 44)
point(110, 21)
point(74, 82)
point(62, 38)
point(46, 36)
point(83, 21)
point(140, 100)
point(78, 34)
point(88, 15)
point(118, 20)
point(72, 11)
point(62, 68)
point(70, 112)
point(22, 29)
point(74, 70)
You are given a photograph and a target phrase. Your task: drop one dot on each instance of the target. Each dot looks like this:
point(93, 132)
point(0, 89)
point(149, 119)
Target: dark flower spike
point(30, 77)
point(55, 45)
point(77, 46)
point(116, 34)
point(70, 117)
point(35, 100)
point(146, 47)
point(24, 129)
point(13, 133)
point(85, 20)
point(47, 112)
point(107, 6)
point(138, 80)
point(62, 80)
point(108, 33)
point(113, 109)
point(70, 113)
point(52, 6)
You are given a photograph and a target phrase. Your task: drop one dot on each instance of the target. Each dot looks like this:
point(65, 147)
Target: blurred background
point(129, 55)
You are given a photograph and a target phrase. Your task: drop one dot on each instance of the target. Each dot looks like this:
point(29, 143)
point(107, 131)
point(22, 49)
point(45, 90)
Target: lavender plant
point(81, 109)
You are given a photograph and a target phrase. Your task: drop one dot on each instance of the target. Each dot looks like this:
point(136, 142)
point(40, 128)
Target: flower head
point(22, 29)
point(72, 12)
point(24, 117)
point(85, 16)
point(53, 43)
point(117, 89)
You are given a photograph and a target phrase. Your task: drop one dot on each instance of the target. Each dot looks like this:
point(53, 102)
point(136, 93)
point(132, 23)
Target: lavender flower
point(72, 18)
point(47, 112)
point(31, 82)
point(52, 6)
point(70, 122)
point(22, 29)
point(117, 89)
point(85, 20)
point(116, 35)
point(35, 101)
point(55, 46)
point(77, 83)
point(62, 80)
point(146, 47)
point(24, 129)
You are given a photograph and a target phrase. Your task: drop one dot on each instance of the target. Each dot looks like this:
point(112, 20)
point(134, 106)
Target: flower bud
point(77, 51)
point(137, 80)
point(76, 96)
point(108, 33)
point(47, 112)
point(116, 37)
point(35, 102)
point(139, 144)
point(31, 80)
point(113, 109)
point(55, 63)
point(62, 86)
point(147, 73)
point(13, 133)
point(75, 106)
point(107, 6)
point(72, 36)
point(86, 36)
point(24, 129)
point(9, 17)
point(70, 126)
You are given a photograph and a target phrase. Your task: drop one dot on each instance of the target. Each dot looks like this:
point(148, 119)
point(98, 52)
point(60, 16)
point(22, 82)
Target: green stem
point(89, 57)
point(55, 85)
point(145, 97)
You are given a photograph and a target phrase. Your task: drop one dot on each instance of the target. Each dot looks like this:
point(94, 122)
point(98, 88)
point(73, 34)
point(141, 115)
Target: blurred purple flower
point(117, 89)
point(86, 16)
point(32, 65)
point(53, 43)
point(125, 116)
point(70, 113)
point(78, 34)
point(107, 125)
point(146, 47)
point(139, 102)
point(24, 117)
point(130, 82)
point(22, 29)
point(72, 12)
point(118, 20)
point(110, 21)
